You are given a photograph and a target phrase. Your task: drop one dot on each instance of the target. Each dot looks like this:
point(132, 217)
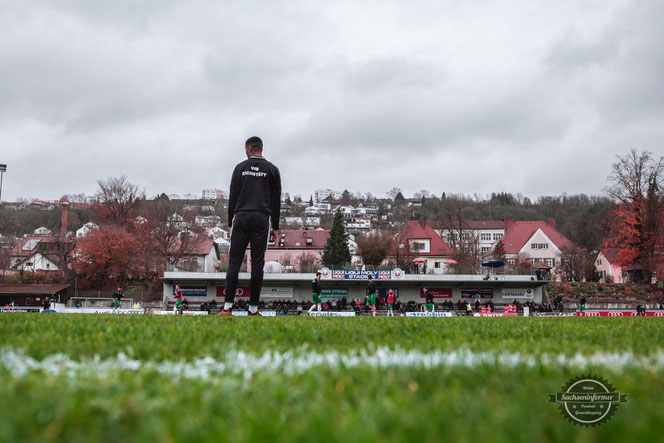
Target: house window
point(497, 236)
point(485, 236)
point(600, 262)
point(485, 249)
point(539, 245)
point(511, 261)
point(551, 262)
point(436, 265)
point(602, 274)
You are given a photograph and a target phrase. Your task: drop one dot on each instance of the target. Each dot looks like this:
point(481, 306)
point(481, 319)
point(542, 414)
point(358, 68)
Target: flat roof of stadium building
point(452, 280)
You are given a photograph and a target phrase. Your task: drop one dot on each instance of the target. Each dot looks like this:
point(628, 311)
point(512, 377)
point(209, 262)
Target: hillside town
point(118, 237)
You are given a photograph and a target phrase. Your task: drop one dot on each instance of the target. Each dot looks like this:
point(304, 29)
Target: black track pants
point(248, 228)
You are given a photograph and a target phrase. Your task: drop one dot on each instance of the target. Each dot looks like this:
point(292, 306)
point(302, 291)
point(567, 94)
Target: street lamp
point(3, 168)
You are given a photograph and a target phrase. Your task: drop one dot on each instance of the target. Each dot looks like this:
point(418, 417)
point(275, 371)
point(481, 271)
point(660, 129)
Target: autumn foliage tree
point(106, 258)
point(635, 225)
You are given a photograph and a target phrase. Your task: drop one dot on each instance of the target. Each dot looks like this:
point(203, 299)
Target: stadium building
point(501, 289)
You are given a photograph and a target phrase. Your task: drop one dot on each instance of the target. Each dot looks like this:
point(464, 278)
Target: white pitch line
point(18, 364)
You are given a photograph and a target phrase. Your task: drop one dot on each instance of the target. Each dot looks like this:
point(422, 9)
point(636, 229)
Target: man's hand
point(273, 235)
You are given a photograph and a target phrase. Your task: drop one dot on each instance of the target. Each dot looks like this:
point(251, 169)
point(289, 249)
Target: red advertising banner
point(438, 292)
point(617, 314)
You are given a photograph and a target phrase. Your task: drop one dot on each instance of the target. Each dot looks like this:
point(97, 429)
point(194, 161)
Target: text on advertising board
point(266, 292)
point(437, 292)
point(193, 291)
point(477, 293)
point(511, 293)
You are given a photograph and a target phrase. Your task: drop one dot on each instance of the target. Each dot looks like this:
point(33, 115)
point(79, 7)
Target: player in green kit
point(429, 306)
point(371, 295)
point(117, 295)
point(179, 299)
point(390, 303)
point(315, 293)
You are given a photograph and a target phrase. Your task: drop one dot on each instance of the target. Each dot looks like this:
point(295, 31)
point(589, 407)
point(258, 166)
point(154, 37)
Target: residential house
point(607, 267)
point(420, 242)
point(85, 229)
point(293, 247)
point(42, 232)
point(204, 257)
point(39, 253)
point(485, 233)
point(538, 241)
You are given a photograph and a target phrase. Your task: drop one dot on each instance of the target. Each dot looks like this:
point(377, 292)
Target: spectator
point(47, 304)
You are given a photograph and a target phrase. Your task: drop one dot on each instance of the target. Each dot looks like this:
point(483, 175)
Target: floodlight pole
point(3, 168)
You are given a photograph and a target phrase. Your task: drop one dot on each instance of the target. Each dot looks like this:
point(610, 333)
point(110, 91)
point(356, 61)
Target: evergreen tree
point(336, 254)
point(311, 200)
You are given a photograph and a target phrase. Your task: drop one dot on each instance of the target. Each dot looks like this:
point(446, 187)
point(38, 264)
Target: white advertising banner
point(428, 314)
point(518, 293)
point(98, 311)
point(263, 313)
point(276, 292)
point(333, 314)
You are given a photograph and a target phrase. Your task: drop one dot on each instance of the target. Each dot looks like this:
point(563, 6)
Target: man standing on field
point(253, 216)
point(117, 295)
point(315, 293)
point(371, 295)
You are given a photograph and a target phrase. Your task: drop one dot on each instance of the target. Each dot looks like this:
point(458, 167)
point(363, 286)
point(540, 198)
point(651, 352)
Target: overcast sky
point(473, 96)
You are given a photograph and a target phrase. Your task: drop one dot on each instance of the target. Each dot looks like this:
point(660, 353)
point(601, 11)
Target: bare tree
point(173, 233)
point(632, 175)
point(119, 197)
point(463, 240)
point(374, 248)
point(577, 265)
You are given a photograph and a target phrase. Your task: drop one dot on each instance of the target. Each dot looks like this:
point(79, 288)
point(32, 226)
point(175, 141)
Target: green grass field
point(153, 378)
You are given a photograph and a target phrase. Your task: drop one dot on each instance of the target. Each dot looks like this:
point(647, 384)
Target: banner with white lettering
point(477, 293)
point(437, 292)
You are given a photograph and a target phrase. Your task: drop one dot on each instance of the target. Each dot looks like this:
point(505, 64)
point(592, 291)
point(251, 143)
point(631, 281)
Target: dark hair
point(255, 143)
point(317, 273)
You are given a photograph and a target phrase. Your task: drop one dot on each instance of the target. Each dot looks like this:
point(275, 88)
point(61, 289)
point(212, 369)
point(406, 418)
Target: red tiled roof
point(521, 231)
point(471, 224)
point(18, 251)
point(492, 224)
point(610, 254)
point(32, 289)
point(202, 248)
point(416, 230)
point(293, 237)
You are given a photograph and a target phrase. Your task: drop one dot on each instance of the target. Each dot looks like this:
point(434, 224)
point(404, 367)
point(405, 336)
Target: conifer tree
point(336, 254)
